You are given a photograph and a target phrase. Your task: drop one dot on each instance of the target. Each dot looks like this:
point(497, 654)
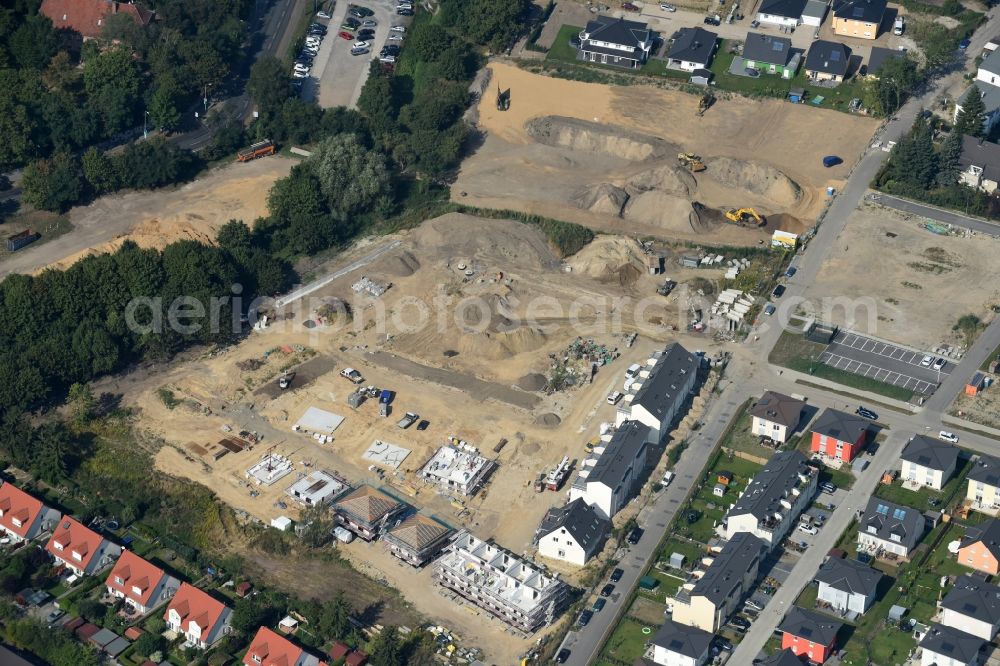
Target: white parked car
point(614, 397)
point(948, 436)
point(925, 362)
point(667, 7)
point(398, 28)
point(323, 15)
point(667, 478)
point(302, 68)
point(360, 45)
point(300, 75)
point(395, 38)
point(808, 529)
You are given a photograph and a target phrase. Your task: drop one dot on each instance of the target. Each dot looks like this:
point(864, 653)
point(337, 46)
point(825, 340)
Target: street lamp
point(144, 132)
point(205, 96)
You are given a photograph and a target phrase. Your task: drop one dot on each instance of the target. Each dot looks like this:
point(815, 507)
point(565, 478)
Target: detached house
point(658, 392)
point(717, 595)
point(22, 517)
point(781, 12)
point(776, 416)
point(773, 499)
point(945, 646)
point(838, 434)
point(827, 61)
point(858, 18)
point(366, 511)
point(82, 550)
point(88, 17)
point(782, 658)
point(197, 616)
point(890, 528)
point(680, 645)
point(809, 634)
point(929, 462)
point(770, 54)
point(984, 484)
point(142, 584)
point(572, 533)
point(610, 476)
point(615, 41)
point(972, 606)
point(980, 549)
point(417, 539)
point(271, 649)
point(692, 49)
point(979, 164)
point(988, 84)
point(878, 58)
point(848, 586)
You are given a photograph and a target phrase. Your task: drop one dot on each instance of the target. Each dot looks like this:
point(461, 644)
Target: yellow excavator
point(744, 217)
point(691, 161)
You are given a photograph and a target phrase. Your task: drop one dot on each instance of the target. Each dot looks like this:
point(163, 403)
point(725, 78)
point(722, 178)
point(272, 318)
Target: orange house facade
point(980, 549)
point(838, 434)
point(809, 634)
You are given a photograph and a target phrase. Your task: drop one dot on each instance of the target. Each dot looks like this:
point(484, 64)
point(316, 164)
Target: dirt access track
point(606, 156)
point(157, 218)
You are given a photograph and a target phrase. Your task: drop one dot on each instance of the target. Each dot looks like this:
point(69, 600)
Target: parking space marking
point(868, 370)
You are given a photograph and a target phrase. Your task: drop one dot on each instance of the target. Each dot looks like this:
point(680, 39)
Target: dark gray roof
point(779, 408)
point(8, 658)
point(587, 527)
point(765, 48)
point(693, 45)
point(991, 63)
point(681, 639)
point(618, 31)
point(952, 643)
point(785, 8)
point(974, 597)
point(738, 556)
point(828, 57)
point(841, 425)
point(814, 627)
point(931, 453)
point(986, 470)
point(890, 519)
point(784, 658)
point(866, 11)
point(981, 153)
point(815, 9)
point(672, 370)
point(772, 484)
point(620, 454)
point(987, 533)
point(880, 56)
point(849, 576)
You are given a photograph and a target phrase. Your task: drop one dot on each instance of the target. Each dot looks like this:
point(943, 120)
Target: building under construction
point(459, 467)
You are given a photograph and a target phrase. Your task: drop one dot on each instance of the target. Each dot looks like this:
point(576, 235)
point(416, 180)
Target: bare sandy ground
point(159, 217)
point(769, 140)
point(892, 278)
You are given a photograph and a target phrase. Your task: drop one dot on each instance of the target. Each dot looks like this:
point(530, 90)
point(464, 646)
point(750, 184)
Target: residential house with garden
point(987, 84)
point(858, 18)
point(680, 645)
point(945, 646)
point(847, 586)
point(784, 13)
point(979, 549)
point(770, 55)
point(983, 491)
point(827, 61)
point(979, 164)
point(972, 606)
point(929, 462)
point(616, 41)
point(22, 517)
point(572, 533)
point(80, 549)
point(198, 617)
point(90, 17)
point(692, 49)
point(809, 634)
point(718, 594)
point(271, 649)
point(837, 434)
point(773, 500)
point(417, 539)
point(142, 584)
point(612, 474)
point(776, 416)
point(886, 527)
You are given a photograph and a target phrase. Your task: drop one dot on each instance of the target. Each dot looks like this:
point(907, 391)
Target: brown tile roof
point(88, 17)
point(270, 649)
point(778, 408)
point(419, 531)
point(367, 503)
point(356, 658)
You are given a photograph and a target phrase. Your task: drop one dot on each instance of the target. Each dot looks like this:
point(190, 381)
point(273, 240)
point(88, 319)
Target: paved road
point(939, 214)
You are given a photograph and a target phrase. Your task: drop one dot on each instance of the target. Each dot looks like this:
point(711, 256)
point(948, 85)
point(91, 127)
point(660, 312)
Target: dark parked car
point(832, 161)
point(407, 12)
point(584, 618)
point(616, 575)
point(562, 656)
point(635, 535)
point(712, 20)
point(866, 414)
point(792, 270)
point(607, 590)
point(599, 605)
point(423, 424)
point(964, 44)
point(740, 623)
point(778, 291)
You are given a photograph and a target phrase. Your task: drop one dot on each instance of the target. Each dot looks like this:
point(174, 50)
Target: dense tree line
point(62, 94)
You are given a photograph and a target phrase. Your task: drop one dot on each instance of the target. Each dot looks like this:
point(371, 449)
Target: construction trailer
point(259, 149)
point(784, 239)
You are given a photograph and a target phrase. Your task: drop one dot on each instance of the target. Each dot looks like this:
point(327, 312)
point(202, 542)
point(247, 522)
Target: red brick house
point(839, 435)
point(809, 634)
point(88, 17)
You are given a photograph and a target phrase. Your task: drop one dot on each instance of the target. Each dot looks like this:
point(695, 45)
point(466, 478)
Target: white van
point(898, 26)
point(631, 373)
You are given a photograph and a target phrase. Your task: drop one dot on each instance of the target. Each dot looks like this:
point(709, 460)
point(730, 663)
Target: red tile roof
point(87, 17)
point(339, 650)
point(18, 509)
point(132, 633)
point(270, 649)
point(86, 631)
point(356, 658)
point(135, 578)
point(71, 539)
point(195, 605)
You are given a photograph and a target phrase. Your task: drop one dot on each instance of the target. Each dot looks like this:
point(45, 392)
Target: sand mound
point(786, 222)
point(532, 381)
point(530, 448)
point(756, 178)
point(663, 210)
point(402, 265)
point(605, 198)
point(497, 346)
point(668, 179)
point(610, 259)
point(597, 138)
point(548, 420)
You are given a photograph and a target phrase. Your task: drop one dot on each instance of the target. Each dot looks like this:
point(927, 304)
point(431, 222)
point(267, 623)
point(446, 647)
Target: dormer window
point(118, 579)
point(872, 529)
point(17, 522)
point(256, 659)
point(136, 591)
point(77, 556)
point(894, 537)
point(58, 546)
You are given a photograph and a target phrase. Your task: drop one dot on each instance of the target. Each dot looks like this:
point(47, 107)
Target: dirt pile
point(402, 265)
point(668, 212)
point(497, 346)
point(532, 381)
point(668, 179)
point(786, 222)
point(549, 420)
point(756, 178)
point(610, 259)
point(597, 138)
point(604, 198)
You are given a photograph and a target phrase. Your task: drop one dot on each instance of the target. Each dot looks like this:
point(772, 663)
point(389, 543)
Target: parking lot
point(338, 76)
point(884, 362)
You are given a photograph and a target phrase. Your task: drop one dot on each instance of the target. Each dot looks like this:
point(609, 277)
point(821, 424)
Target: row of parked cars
point(304, 61)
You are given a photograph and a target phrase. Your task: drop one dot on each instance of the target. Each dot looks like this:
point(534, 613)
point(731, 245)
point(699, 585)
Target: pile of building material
point(578, 363)
point(269, 469)
point(732, 305)
point(735, 267)
point(712, 260)
point(369, 286)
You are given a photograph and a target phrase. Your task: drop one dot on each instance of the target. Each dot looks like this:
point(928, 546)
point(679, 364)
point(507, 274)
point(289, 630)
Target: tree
point(335, 618)
point(250, 613)
point(351, 177)
point(938, 45)
point(386, 648)
point(971, 120)
point(99, 171)
point(913, 160)
point(968, 326)
point(149, 643)
point(427, 41)
point(269, 85)
point(948, 159)
point(52, 184)
point(234, 234)
point(81, 403)
point(377, 102)
point(163, 110)
point(34, 43)
point(90, 608)
point(885, 91)
point(111, 79)
point(486, 22)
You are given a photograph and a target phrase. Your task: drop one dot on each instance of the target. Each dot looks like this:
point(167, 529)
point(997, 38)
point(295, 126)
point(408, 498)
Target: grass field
point(711, 509)
point(627, 643)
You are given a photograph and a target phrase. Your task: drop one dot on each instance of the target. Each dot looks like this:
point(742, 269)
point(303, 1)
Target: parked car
point(584, 618)
point(607, 590)
point(828, 487)
point(754, 604)
point(948, 436)
point(616, 575)
point(740, 622)
point(723, 644)
point(390, 49)
point(343, 34)
point(866, 414)
point(792, 270)
point(423, 424)
point(769, 309)
point(408, 419)
point(318, 26)
point(387, 58)
point(667, 7)
point(754, 23)
point(714, 20)
point(396, 37)
point(614, 397)
point(369, 23)
point(53, 616)
point(300, 75)
point(350, 23)
point(599, 605)
point(629, 7)
point(398, 28)
point(361, 45)
point(401, 11)
point(635, 535)
point(562, 656)
point(964, 44)
point(778, 291)
point(667, 478)
point(360, 51)
point(926, 361)
point(939, 364)
point(808, 529)
point(323, 15)
point(365, 35)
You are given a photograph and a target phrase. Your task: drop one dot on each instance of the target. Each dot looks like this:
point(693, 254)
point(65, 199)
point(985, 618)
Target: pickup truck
point(408, 419)
point(352, 375)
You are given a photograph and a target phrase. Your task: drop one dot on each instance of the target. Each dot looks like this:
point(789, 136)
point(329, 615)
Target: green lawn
point(951, 494)
point(691, 552)
point(985, 367)
point(712, 508)
point(627, 643)
point(807, 598)
point(561, 48)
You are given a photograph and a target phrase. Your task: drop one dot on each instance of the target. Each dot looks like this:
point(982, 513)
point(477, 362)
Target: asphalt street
point(938, 214)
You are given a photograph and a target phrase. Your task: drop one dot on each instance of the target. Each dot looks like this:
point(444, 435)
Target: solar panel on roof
point(899, 514)
point(777, 46)
point(882, 509)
